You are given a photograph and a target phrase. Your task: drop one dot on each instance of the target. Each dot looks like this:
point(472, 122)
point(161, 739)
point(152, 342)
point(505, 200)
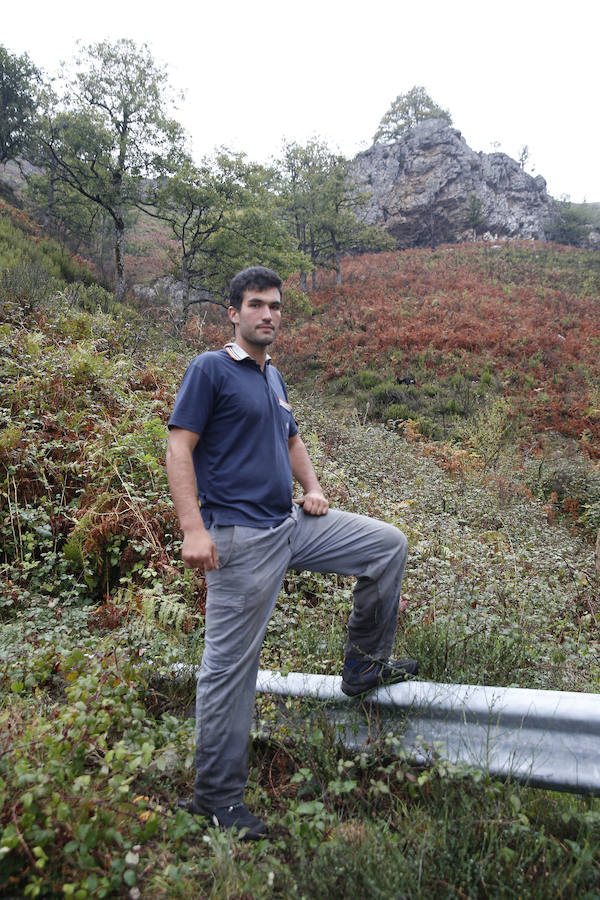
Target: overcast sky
point(511, 73)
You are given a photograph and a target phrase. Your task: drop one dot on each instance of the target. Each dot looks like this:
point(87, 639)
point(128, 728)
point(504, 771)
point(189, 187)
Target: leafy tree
point(406, 111)
point(65, 212)
point(113, 133)
point(339, 223)
point(19, 80)
point(321, 206)
point(572, 224)
point(302, 174)
point(222, 215)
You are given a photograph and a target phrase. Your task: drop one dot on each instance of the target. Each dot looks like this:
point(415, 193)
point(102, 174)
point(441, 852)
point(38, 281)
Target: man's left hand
point(314, 503)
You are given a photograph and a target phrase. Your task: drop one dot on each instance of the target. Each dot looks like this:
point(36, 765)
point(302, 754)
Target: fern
point(167, 612)
point(74, 551)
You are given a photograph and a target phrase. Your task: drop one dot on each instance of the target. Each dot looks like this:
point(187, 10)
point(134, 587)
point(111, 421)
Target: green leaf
point(310, 808)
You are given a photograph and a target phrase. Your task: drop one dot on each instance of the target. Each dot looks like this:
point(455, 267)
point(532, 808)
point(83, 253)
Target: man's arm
point(198, 550)
point(314, 501)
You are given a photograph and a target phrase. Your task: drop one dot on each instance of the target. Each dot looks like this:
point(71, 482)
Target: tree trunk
point(104, 248)
point(337, 255)
point(49, 211)
point(303, 283)
point(185, 280)
point(119, 259)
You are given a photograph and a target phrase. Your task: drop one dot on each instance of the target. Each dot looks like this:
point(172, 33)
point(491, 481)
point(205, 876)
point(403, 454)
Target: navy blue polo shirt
point(244, 420)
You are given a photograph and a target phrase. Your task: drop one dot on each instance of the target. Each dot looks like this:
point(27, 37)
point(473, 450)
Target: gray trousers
point(242, 593)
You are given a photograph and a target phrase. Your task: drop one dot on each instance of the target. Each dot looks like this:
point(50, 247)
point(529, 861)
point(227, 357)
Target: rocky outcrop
point(430, 187)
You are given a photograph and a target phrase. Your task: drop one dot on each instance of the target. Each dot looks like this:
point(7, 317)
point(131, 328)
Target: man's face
point(257, 321)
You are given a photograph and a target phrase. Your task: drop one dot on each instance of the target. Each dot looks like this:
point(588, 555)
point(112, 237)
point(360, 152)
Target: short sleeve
point(195, 398)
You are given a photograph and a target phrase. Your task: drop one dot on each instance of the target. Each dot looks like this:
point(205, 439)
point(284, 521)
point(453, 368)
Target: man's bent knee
point(396, 540)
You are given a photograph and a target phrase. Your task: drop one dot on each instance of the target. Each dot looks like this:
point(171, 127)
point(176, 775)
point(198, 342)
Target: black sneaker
point(362, 675)
point(237, 817)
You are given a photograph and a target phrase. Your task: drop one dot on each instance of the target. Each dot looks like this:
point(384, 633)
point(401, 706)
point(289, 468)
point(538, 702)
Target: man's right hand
point(199, 551)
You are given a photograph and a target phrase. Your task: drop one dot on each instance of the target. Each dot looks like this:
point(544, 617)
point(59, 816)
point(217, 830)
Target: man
point(234, 445)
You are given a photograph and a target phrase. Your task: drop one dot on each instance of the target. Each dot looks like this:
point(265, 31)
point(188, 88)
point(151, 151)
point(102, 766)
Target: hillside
point(470, 324)
point(500, 587)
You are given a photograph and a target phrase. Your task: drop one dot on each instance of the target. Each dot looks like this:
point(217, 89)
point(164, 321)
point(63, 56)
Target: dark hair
point(256, 278)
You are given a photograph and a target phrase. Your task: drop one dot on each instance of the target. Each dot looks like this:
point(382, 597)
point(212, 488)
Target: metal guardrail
point(546, 739)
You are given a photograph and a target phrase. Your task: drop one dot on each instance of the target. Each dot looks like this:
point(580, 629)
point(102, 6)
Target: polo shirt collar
point(237, 353)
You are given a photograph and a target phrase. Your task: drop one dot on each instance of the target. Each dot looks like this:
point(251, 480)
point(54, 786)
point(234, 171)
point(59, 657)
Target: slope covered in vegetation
point(469, 324)
point(499, 590)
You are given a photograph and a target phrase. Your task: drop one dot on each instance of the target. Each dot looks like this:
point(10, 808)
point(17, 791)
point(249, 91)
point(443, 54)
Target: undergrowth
point(95, 748)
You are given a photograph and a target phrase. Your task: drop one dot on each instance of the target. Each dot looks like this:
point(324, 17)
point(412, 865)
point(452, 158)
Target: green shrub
point(342, 385)
point(572, 484)
point(19, 244)
point(488, 431)
point(297, 303)
point(368, 379)
point(397, 411)
point(573, 223)
point(27, 283)
point(383, 394)
point(70, 808)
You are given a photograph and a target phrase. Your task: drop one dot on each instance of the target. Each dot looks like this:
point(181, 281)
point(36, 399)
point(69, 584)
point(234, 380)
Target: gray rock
point(592, 240)
point(430, 187)
point(168, 291)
